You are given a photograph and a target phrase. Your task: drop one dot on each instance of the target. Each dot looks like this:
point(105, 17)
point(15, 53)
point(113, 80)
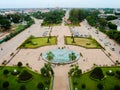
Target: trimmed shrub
point(116, 87)
point(19, 64)
point(5, 72)
point(47, 81)
point(40, 86)
point(118, 74)
point(5, 84)
point(97, 73)
point(100, 86)
point(25, 75)
point(83, 86)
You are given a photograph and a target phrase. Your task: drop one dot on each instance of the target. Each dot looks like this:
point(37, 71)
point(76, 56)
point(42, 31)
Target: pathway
point(90, 56)
point(11, 45)
point(61, 72)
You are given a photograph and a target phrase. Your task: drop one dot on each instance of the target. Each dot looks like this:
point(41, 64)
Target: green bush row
point(11, 35)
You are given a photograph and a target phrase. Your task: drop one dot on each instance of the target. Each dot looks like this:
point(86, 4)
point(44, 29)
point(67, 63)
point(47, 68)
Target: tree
point(118, 74)
point(5, 24)
point(97, 73)
point(38, 15)
point(44, 72)
point(112, 26)
point(15, 18)
point(73, 39)
point(72, 56)
point(100, 86)
point(116, 87)
point(5, 84)
point(77, 15)
point(19, 64)
point(50, 55)
point(92, 18)
point(103, 22)
point(75, 71)
point(6, 72)
point(47, 70)
point(25, 75)
point(40, 86)
point(83, 86)
point(53, 17)
point(111, 17)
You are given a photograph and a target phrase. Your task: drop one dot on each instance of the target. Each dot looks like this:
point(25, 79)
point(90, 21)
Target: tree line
point(104, 25)
point(53, 17)
point(7, 21)
point(77, 15)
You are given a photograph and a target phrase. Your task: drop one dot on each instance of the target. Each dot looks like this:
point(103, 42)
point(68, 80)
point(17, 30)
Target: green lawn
point(36, 42)
point(14, 84)
point(83, 42)
point(108, 83)
point(18, 27)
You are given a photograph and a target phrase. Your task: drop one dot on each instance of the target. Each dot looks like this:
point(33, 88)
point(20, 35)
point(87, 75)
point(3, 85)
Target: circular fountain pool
point(60, 56)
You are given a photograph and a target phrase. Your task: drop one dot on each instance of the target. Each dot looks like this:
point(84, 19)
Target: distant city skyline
point(59, 3)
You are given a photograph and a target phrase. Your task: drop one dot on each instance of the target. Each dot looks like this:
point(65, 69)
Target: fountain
point(60, 56)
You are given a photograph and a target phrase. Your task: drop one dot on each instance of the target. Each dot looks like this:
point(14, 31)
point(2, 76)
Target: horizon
point(60, 3)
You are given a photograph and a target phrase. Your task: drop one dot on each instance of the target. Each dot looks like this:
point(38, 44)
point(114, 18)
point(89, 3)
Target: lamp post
point(49, 35)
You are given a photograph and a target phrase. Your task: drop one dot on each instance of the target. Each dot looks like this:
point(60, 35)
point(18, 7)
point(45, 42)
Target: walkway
point(31, 56)
point(11, 45)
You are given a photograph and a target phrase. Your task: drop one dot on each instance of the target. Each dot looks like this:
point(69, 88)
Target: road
point(103, 39)
point(86, 30)
point(61, 75)
point(11, 45)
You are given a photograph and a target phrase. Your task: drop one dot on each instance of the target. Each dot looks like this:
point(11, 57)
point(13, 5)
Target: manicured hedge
point(25, 75)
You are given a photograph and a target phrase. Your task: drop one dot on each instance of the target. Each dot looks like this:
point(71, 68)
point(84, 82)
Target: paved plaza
point(32, 57)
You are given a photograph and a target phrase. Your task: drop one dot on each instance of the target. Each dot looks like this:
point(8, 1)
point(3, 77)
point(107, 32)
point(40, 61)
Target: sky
point(59, 3)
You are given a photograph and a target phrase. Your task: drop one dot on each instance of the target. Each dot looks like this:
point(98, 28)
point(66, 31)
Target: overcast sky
point(59, 3)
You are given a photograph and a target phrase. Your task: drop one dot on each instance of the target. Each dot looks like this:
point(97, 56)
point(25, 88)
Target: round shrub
point(83, 86)
point(40, 86)
point(97, 73)
point(75, 82)
point(116, 87)
point(110, 73)
point(5, 72)
point(19, 64)
point(47, 81)
point(5, 84)
point(100, 86)
point(118, 74)
point(24, 76)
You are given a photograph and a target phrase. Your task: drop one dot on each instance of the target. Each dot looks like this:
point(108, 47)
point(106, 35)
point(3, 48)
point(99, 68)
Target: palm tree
point(50, 55)
point(73, 39)
point(47, 70)
point(72, 56)
point(48, 40)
